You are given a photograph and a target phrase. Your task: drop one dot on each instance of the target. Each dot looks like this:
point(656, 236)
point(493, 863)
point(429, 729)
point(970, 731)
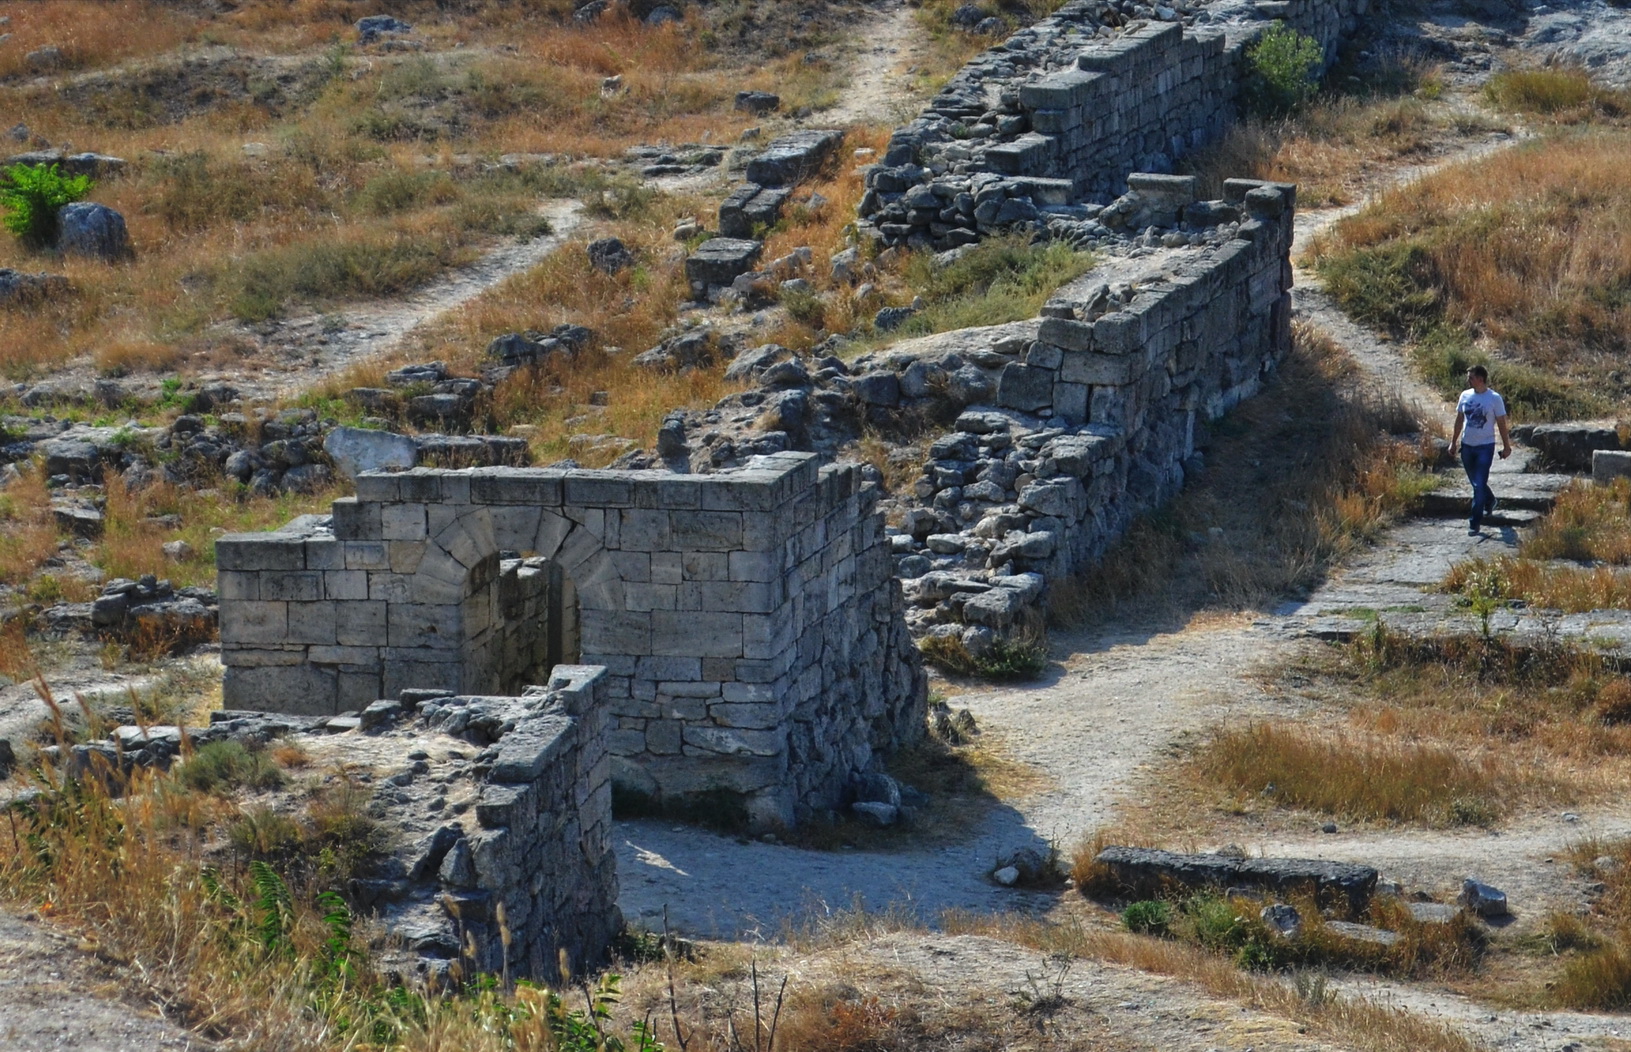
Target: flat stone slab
point(721, 260)
point(1363, 933)
point(1339, 884)
point(1517, 492)
point(790, 158)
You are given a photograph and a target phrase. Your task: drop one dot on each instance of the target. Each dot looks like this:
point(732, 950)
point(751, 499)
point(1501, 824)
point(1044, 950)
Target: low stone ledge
point(1149, 871)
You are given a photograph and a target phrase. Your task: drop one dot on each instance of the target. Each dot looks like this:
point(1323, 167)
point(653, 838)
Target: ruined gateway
point(748, 621)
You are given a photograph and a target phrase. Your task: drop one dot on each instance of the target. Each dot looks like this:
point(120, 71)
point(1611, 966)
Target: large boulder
point(86, 228)
point(355, 450)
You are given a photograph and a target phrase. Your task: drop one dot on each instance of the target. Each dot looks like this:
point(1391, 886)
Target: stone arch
point(524, 575)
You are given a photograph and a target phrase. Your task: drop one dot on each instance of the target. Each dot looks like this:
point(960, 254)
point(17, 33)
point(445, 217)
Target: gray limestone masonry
point(1058, 114)
point(497, 810)
point(749, 622)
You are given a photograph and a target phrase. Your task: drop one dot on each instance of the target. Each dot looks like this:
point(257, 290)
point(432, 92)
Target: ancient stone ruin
point(734, 620)
point(748, 620)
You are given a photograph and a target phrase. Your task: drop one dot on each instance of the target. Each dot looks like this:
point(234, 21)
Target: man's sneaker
point(1472, 531)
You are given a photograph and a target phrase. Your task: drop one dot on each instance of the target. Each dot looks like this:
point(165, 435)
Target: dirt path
point(301, 352)
point(1124, 696)
point(53, 997)
point(880, 90)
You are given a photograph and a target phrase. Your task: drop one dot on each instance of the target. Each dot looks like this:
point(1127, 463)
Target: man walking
point(1479, 414)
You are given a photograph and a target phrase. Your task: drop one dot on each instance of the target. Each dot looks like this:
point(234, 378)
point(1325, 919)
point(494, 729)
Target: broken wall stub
point(530, 860)
point(749, 622)
point(1059, 113)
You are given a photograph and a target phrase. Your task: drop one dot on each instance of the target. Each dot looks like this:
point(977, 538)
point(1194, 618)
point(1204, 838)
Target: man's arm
point(1506, 437)
point(1455, 436)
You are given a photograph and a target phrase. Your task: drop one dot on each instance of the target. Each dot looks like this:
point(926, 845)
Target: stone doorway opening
point(539, 620)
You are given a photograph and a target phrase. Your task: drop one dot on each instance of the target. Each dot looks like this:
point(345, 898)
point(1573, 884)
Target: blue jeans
point(1477, 460)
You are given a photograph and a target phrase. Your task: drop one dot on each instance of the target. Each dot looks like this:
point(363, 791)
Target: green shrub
point(31, 195)
point(229, 765)
point(1216, 924)
point(1147, 917)
point(1284, 67)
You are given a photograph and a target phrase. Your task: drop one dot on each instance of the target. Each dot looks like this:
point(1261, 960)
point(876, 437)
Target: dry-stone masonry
point(748, 620)
point(497, 813)
point(1046, 125)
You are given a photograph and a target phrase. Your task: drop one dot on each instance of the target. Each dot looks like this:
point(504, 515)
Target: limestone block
point(271, 657)
point(298, 587)
point(417, 625)
point(651, 596)
point(644, 530)
point(231, 585)
point(707, 531)
point(403, 522)
point(732, 741)
point(1024, 388)
point(367, 555)
point(259, 551)
point(305, 690)
point(311, 623)
point(1609, 464)
point(254, 622)
point(361, 624)
point(696, 633)
point(345, 585)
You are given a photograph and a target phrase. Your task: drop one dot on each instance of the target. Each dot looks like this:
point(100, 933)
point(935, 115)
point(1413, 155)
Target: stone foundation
point(748, 621)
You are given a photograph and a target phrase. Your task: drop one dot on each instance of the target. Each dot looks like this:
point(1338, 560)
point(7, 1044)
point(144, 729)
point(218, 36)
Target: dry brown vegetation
point(1573, 560)
point(1331, 463)
point(1335, 147)
point(1523, 257)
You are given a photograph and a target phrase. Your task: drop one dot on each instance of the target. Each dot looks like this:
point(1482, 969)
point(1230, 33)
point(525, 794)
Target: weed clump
point(223, 766)
point(1022, 658)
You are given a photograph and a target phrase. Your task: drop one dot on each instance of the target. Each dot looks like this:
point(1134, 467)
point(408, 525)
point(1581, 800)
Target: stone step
point(1518, 493)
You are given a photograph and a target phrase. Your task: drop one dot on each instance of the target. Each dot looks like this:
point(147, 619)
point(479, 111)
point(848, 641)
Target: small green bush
point(31, 195)
point(1284, 67)
point(1147, 917)
point(229, 765)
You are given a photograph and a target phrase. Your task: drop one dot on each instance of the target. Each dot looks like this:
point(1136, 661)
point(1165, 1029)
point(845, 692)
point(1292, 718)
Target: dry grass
point(1567, 96)
point(1321, 457)
point(28, 532)
point(1360, 777)
point(1526, 253)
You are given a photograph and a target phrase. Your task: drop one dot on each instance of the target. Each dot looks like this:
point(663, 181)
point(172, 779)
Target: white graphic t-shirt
point(1480, 411)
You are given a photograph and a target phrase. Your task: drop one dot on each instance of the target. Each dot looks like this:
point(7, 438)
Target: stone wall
point(1057, 116)
point(1094, 421)
point(532, 858)
point(748, 620)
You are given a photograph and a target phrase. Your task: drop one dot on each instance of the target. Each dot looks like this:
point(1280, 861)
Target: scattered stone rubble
point(498, 810)
point(1339, 889)
point(1062, 429)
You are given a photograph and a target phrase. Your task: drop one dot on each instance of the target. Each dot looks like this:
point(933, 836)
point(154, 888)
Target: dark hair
point(1479, 371)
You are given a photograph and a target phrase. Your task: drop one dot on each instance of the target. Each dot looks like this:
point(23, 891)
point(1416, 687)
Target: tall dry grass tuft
point(28, 532)
point(1360, 777)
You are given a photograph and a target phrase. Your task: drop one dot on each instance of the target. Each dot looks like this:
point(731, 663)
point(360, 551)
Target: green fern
point(31, 195)
point(273, 905)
